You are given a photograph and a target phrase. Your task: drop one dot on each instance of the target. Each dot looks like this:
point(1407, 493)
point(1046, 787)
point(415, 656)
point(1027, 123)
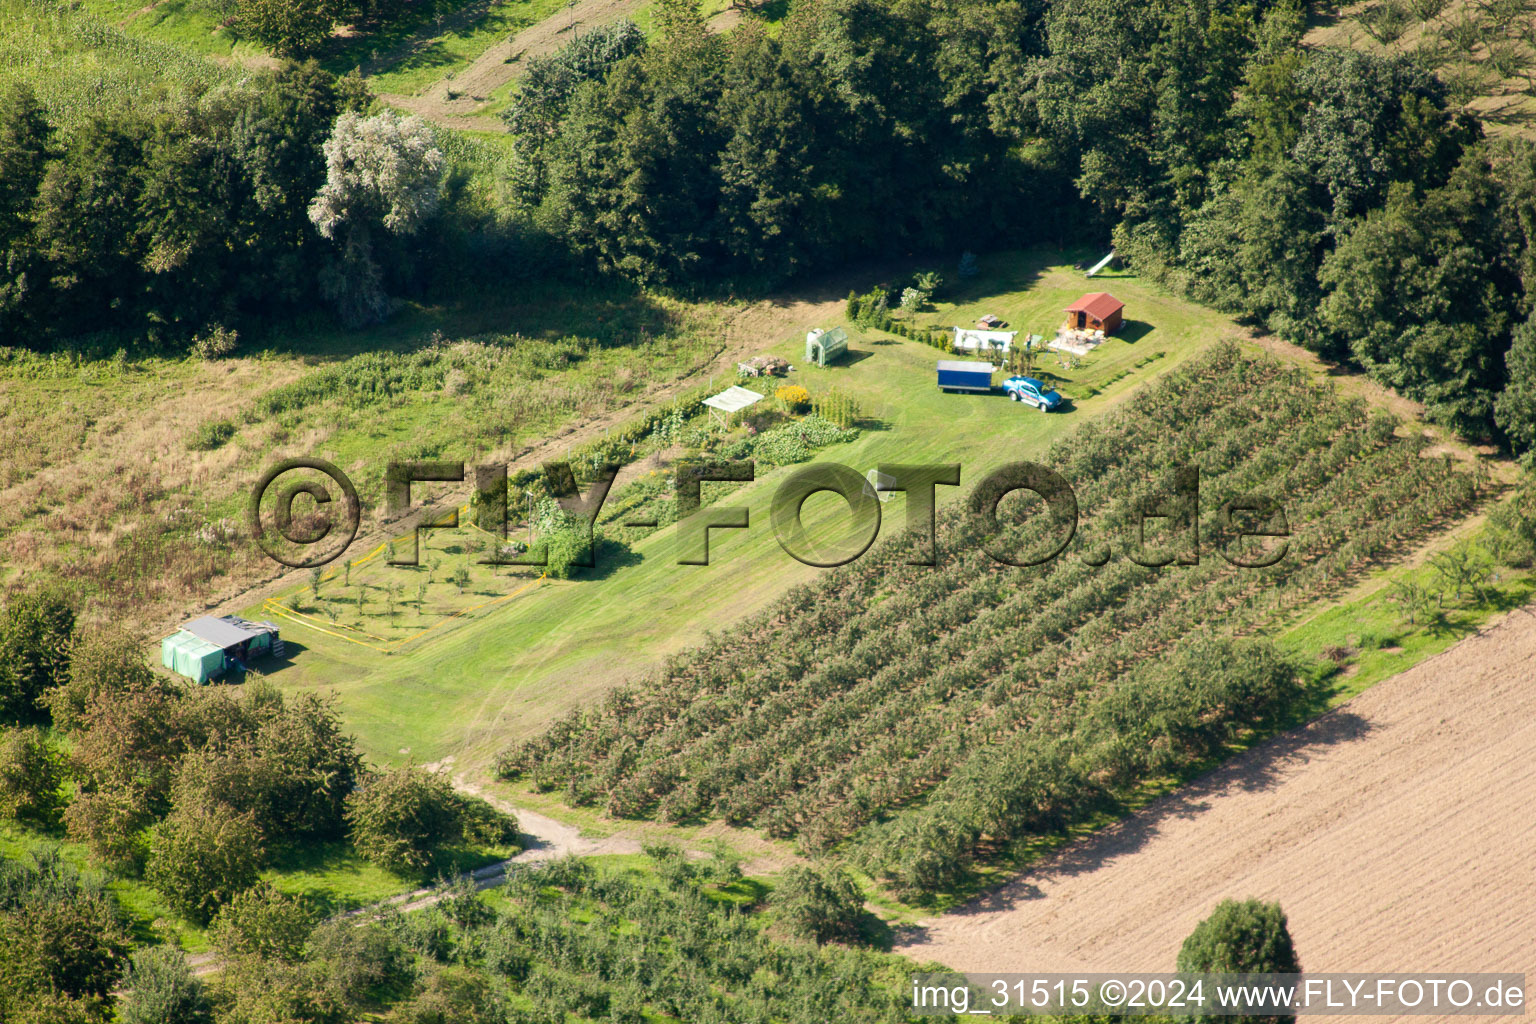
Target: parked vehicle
point(1036, 393)
point(956, 375)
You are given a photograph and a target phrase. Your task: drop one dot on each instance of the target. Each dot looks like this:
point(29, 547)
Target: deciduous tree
point(202, 855)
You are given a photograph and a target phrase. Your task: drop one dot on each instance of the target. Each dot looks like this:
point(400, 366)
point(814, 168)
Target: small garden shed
point(823, 347)
point(1096, 311)
point(208, 647)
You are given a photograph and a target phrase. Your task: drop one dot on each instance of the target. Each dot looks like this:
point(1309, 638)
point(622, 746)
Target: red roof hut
point(1097, 311)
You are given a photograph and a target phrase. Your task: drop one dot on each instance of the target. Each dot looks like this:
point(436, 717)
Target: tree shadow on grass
point(269, 664)
point(607, 310)
point(306, 866)
point(612, 555)
point(1132, 331)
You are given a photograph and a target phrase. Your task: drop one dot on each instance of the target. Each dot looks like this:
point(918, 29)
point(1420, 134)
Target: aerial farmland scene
point(767, 511)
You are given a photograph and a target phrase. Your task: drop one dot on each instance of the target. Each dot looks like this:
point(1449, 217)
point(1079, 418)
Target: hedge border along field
point(919, 718)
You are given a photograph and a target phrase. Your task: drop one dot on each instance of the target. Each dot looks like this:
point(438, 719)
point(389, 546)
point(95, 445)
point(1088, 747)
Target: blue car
point(1036, 393)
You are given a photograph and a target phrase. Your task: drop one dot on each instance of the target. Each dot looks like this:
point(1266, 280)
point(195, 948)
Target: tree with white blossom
point(382, 170)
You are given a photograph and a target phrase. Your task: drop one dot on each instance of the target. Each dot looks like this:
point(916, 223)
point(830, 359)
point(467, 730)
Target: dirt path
point(543, 839)
point(1397, 832)
point(458, 102)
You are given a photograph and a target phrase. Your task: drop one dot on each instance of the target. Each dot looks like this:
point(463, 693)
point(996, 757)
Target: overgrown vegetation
point(199, 790)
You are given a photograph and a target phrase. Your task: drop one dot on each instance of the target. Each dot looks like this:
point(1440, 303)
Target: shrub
point(1512, 527)
point(1241, 937)
point(289, 28)
point(869, 309)
point(132, 740)
point(212, 435)
point(792, 398)
point(356, 958)
point(30, 777)
point(162, 990)
point(111, 823)
point(458, 900)
point(264, 923)
point(202, 855)
point(791, 442)
point(50, 1008)
point(819, 903)
point(1247, 937)
point(215, 343)
point(59, 934)
point(837, 407)
point(486, 825)
point(103, 661)
point(450, 996)
point(290, 766)
point(36, 630)
point(455, 383)
point(251, 991)
point(565, 551)
point(427, 934)
point(401, 817)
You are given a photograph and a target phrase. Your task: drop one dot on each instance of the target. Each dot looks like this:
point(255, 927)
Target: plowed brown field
point(1398, 832)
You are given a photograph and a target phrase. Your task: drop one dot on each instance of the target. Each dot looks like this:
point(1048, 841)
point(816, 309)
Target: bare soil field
point(1397, 832)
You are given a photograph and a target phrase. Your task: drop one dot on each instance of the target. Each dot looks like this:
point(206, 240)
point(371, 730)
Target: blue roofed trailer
point(955, 375)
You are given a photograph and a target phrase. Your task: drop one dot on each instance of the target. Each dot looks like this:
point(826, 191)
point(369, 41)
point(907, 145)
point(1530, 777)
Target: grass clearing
point(1355, 645)
point(333, 877)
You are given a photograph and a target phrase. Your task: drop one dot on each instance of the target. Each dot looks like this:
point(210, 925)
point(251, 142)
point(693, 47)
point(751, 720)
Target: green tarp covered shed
point(191, 656)
point(209, 647)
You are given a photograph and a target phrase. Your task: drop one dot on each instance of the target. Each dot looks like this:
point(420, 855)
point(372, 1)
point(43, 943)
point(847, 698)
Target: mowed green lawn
point(491, 678)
